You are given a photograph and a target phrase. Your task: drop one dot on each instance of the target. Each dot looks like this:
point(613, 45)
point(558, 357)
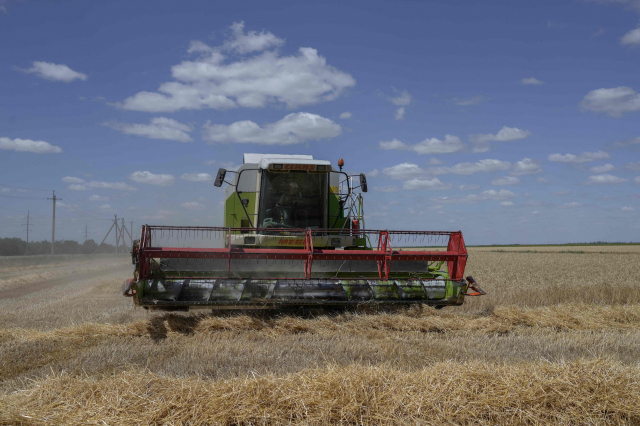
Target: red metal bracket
point(308, 246)
point(384, 247)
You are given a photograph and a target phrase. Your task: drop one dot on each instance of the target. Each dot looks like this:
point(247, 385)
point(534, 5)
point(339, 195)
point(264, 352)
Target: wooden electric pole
point(53, 225)
point(27, 225)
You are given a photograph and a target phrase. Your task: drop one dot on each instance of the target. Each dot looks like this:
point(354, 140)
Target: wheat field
point(556, 341)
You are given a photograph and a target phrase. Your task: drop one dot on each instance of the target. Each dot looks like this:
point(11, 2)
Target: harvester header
point(294, 236)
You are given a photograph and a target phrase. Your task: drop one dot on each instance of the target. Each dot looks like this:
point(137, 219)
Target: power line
point(30, 189)
point(24, 198)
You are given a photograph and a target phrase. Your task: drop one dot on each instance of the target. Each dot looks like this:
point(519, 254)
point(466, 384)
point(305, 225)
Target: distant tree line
point(18, 247)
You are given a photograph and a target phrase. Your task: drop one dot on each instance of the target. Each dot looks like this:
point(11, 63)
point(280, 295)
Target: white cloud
point(602, 169)
point(193, 205)
point(485, 166)
point(429, 184)
point(77, 187)
point(615, 101)
point(627, 209)
point(605, 180)
point(211, 81)
point(345, 115)
point(490, 195)
point(506, 134)
point(429, 146)
point(393, 144)
point(506, 180)
point(542, 180)
point(403, 100)
point(585, 157)
point(98, 198)
point(55, 72)
point(434, 161)
point(72, 179)
point(293, 129)
point(28, 145)
point(632, 37)
point(400, 113)
point(151, 178)
point(525, 167)
point(197, 177)
point(532, 80)
point(403, 171)
point(252, 41)
point(633, 166)
point(104, 207)
point(534, 212)
point(159, 128)
point(466, 102)
point(390, 188)
point(5, 190)
point(637, 180)
point(469, 187)
point(507, 203)
point(373, 173)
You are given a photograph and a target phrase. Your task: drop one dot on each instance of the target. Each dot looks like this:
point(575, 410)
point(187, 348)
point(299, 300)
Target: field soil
point(555, 341)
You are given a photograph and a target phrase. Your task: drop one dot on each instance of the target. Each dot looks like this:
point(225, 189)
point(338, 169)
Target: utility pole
point(85, 232)
point(117, 239)
point(53, 226)
point(27, 225)
point(131, 234)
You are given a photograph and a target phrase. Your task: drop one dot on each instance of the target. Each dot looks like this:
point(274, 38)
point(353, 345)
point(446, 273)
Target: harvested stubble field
point(556, 341)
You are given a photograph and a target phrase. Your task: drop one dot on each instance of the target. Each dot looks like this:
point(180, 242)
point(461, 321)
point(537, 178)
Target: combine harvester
point(294, 237)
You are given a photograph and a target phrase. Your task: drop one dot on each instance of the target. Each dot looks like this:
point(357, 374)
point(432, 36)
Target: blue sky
point(515, 122)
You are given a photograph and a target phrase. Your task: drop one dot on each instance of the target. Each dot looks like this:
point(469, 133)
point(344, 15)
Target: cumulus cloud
point(252, 41)
point(293, 129)
point(400, 113)
point(213, 81)
point(54, 72)
point(629, 143)
point(434, 161)
point(345, 115)
point(507, 203)
point(98, 198)
point(602, 169)
point(158, 128)
point(72, 179)
point(525, 167)
point(627, 209)
point(542, 180)
point(403, 171)
point(151, 178)
point(585, 157)
point(531, 80)
point(615, 101)
point(193, 205)
point(428, 184)
point(632, 37)
point(506, 180)
point(605, 180)
point(571, 205)
point(373, 173)
point(485, 166)
point(506, 134)
point(197, 177)
point(28, 145)
point(466, 102)
point(429, 146)
point(403, 100)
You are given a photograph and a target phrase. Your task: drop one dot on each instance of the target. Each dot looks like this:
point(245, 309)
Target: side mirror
point(220, 177)
point(363, 182)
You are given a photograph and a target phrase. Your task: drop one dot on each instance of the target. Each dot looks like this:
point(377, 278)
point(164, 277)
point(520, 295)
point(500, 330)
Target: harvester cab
point(294, 235)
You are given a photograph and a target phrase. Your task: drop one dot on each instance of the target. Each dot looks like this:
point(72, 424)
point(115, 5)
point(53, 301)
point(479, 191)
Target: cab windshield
point(295, 199)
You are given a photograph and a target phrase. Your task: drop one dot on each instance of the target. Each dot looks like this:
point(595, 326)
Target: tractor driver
point(288, 204)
